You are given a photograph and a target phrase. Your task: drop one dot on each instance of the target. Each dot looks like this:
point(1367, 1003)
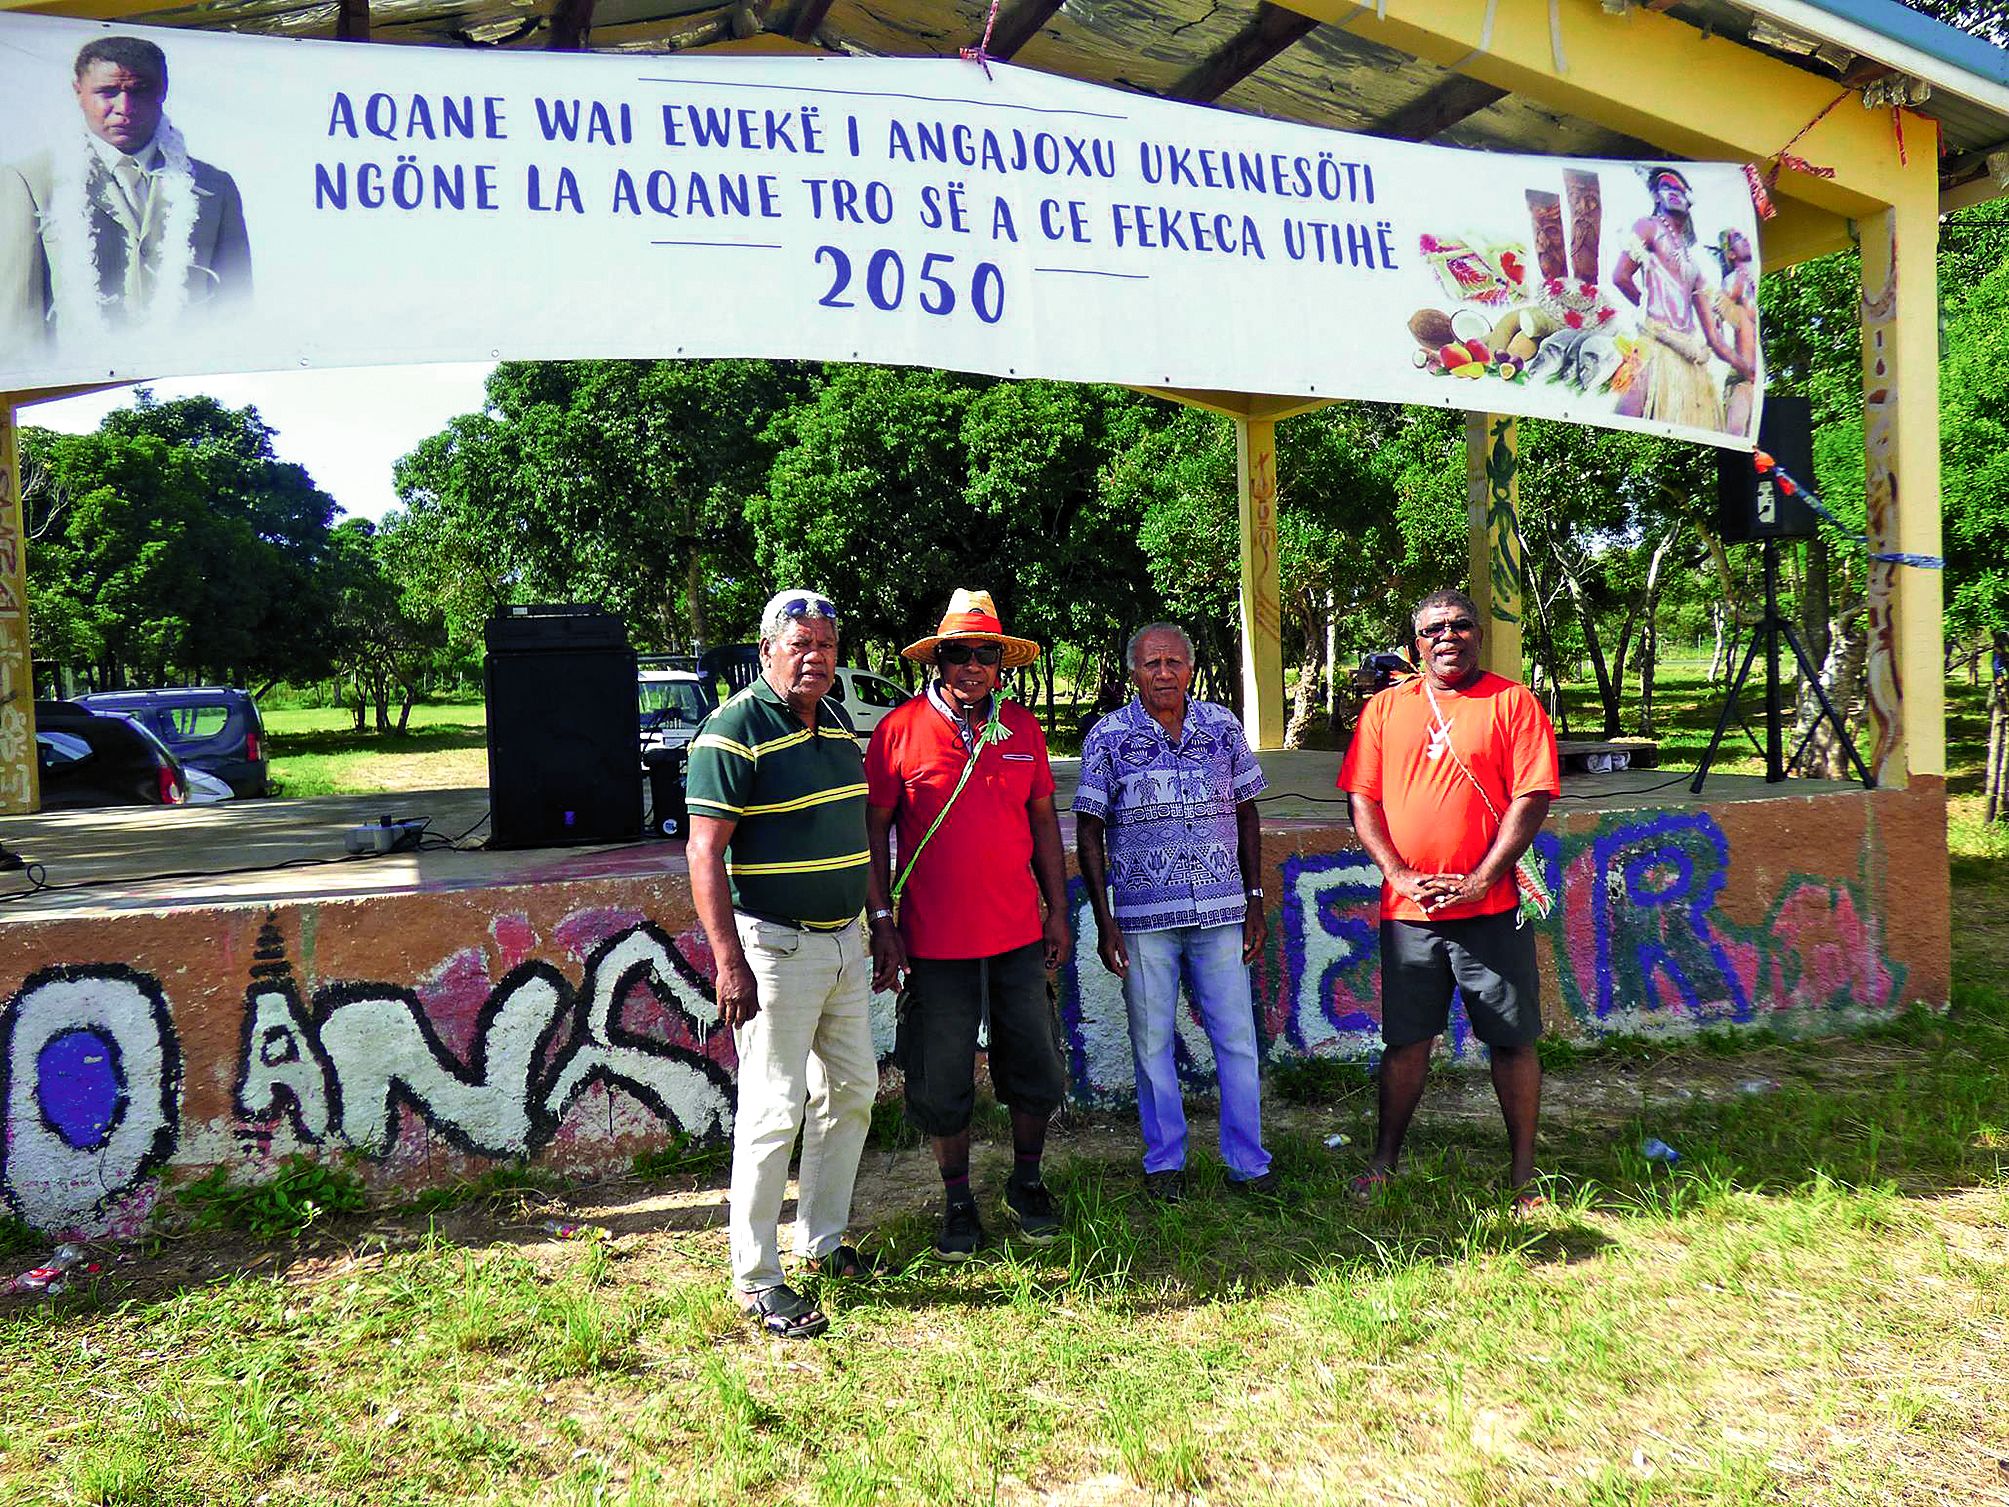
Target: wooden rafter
point(571, 21)
point(352, 20)
point(809, 19)
point(1018, 23)
point(1438, 109)
point(1268, 33)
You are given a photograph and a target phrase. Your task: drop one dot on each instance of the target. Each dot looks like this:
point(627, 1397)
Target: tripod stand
point(1765, 636)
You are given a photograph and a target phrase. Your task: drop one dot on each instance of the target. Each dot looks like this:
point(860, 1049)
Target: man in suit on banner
point(118, 229)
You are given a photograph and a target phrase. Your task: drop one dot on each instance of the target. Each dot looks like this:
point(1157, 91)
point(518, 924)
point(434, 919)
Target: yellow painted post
point(1905, 688)
point(20, 791)
point(1493, 514)
point(1262, 609)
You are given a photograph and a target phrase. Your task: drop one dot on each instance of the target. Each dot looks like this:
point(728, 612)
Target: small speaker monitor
point(1752, 507)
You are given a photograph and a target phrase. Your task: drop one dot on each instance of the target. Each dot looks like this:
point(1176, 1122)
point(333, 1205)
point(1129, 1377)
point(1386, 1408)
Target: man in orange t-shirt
point(1450, 776)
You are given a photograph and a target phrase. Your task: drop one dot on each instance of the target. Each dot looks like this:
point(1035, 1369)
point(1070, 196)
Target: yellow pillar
point(1262, 609)
point(20, 790)
point(1493, 514)
point(1904, 677)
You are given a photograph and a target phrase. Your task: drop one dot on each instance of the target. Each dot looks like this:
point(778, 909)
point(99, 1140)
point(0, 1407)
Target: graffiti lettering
point(90, 1077)
point(343, 1070)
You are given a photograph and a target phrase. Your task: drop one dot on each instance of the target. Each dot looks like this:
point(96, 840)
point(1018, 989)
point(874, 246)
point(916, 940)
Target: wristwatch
point(1254, 892)
point(879, 915)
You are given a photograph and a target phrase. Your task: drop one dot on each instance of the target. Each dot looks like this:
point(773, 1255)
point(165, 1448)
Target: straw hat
point(972, 614)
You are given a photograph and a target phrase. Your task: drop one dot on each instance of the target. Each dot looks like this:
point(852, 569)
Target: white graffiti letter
point(92, 1092)
point(679, 1085)
point(382, 1047)
point(282, 1069)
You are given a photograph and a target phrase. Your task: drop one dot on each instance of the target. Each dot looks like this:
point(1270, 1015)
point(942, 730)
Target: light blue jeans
point(1219, 980)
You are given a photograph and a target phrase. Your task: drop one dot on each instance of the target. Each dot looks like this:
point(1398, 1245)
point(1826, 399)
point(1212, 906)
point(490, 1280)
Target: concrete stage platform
point(102, 862)
point(203, 987)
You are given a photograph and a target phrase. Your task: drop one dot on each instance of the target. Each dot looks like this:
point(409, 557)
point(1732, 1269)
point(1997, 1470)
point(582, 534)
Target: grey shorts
point(1489, 959)
point(937, 1046)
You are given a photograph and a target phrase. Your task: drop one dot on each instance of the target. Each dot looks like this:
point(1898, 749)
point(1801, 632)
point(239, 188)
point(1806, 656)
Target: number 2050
point(886, 283)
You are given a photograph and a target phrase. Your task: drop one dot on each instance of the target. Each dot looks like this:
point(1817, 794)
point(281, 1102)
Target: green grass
point(317, 751)
point(1812, 1307)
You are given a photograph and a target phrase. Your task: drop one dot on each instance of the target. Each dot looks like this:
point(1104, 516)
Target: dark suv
point(213, 728)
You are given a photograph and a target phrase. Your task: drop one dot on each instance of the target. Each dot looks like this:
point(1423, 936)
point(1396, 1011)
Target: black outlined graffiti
point(341, 1070)
point(90, 1083)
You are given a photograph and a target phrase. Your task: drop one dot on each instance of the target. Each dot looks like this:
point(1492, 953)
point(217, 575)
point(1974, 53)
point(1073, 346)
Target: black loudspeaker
point(1750, 506)
point(564, 762)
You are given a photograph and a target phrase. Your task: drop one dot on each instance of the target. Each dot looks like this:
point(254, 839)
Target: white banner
point(293, 203)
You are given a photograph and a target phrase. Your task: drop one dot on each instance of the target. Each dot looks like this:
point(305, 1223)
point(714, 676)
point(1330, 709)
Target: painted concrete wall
point(573, 1023)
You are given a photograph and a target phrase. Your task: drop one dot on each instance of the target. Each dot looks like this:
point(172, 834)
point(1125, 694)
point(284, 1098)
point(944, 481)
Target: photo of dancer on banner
point(118, 227)
point(1655, 328)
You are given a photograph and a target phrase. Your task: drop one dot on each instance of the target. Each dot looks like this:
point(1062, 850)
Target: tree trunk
point(1607, 692)
point(694, 598)
point(1649, 633)
point(1997, 808)
point(1816, 606)
point(1841, 677)
point(1537, 595)
point(1719, 621)
point(1305, 704)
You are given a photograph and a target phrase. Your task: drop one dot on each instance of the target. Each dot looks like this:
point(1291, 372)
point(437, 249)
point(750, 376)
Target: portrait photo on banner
point(117, 229)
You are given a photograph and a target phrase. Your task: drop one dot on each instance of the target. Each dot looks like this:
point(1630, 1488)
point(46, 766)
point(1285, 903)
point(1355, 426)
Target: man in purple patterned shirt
point(1165, 815)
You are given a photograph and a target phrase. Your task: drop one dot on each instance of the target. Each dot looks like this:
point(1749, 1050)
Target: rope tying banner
point(1767, 466)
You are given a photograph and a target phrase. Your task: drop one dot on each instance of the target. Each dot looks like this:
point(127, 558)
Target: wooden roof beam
point(1019, 21)
point(1269, 32)
point(1659, 79)
point(1440, 107)
point(352, 20)
point(809, 20)
point(571, 22)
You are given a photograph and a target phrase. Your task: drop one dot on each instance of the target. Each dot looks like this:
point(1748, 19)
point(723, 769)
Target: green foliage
point(495, 1183)
point(174, 541)
point(1318, 1081)
point(300, 1192)
point(685, 1156)
point(17, 1238)
point(616, 482)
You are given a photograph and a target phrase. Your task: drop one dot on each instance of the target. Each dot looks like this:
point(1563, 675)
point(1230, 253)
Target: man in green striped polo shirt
point(778, 862)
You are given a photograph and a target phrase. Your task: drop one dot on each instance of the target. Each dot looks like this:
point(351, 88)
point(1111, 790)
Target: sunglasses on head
point(1458, 625)
point(962, 654)
point(809, 606)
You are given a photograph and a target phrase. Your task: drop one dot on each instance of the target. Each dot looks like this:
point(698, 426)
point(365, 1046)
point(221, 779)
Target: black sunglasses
point(1458, 625)
point(962, 654)
point(809, 607)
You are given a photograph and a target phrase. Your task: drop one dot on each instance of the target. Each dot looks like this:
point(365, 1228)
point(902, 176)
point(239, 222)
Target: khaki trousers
point(809, 1046)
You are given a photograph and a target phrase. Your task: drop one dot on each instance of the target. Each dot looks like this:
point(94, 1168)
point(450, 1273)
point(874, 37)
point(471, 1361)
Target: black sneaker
point(1167, 1187)
point(1032, 1207)
point(962, 1232)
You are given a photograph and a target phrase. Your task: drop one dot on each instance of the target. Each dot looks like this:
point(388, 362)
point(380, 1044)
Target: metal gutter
point(1897, 37)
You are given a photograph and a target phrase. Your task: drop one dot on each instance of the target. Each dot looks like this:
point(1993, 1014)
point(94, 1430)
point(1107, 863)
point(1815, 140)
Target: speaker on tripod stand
point(1760, 499)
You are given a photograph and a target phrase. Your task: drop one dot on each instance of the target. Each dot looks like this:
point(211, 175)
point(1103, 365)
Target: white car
point(865, 696)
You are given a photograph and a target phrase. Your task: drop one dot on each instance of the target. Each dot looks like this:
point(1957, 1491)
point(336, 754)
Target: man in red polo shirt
point(963, 775)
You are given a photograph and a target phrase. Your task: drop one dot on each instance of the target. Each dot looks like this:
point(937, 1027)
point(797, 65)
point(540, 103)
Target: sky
point(348, 427)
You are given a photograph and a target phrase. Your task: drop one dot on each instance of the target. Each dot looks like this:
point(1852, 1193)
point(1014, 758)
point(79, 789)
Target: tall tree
point(620, 483)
